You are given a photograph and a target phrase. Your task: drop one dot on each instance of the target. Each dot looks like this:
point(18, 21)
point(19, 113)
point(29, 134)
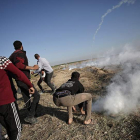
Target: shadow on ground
point(42, 110)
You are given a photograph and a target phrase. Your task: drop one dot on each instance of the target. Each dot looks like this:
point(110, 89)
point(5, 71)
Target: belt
point(63, 93)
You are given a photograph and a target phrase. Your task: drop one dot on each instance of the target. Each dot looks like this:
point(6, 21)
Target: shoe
point(53, 91)
point(40, 93)
point(30, 120)
point(43, 91)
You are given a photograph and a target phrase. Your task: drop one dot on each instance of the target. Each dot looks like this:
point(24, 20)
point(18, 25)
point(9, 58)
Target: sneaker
point(40, 93)
point(31, 120)
point(53, 91)
point(43, 91)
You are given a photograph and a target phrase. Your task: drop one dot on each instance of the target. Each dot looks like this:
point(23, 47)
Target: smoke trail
point(110, 10)
point(123, 94)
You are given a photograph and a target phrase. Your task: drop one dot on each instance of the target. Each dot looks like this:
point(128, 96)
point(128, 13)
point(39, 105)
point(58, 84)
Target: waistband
point(63, 93)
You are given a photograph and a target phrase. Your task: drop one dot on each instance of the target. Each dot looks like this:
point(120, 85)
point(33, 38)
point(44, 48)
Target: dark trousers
point(39, 83)
point(47, 80)
point(0, 131)
point(9, 118)
point(31, 106)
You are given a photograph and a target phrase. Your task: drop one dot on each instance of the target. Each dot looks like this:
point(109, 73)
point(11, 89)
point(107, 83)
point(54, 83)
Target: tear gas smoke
point(123, 94)
point(109, 11)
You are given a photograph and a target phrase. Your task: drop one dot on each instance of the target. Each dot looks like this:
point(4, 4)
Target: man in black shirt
point(70, 94)
point(20, 60)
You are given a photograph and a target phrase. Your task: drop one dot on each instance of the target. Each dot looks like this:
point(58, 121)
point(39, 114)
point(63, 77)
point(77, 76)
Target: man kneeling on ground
point(70, 94)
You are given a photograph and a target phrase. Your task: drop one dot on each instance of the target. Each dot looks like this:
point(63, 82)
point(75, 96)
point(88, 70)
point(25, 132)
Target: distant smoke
point(123, 94)
point(110, 10)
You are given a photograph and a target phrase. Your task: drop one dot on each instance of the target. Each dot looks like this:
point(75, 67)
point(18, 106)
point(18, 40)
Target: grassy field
point(52, 119)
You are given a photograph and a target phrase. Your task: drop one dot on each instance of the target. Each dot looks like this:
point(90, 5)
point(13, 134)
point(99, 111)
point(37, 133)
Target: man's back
point(42, 62)
point(19, 59)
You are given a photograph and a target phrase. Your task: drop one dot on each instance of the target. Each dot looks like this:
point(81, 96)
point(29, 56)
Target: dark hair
point(36, 56)
point(17, 45)
point(75, 75)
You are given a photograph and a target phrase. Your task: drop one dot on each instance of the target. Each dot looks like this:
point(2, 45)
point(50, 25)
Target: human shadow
point(42, 110)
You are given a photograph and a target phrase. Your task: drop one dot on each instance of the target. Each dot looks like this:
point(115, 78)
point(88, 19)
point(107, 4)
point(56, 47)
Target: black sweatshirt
point(72, 85)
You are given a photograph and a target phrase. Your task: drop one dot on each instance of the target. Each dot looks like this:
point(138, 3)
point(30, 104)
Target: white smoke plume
point(109, 11)
point(123, 94)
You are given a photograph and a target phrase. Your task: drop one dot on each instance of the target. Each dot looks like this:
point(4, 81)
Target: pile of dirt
point(52, 119)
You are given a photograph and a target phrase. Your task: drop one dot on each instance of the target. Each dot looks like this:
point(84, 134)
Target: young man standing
point(9, 116)
point(45, 66)
point(19, 59)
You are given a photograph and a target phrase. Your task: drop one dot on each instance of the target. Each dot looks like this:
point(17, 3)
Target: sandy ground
point(52, 119)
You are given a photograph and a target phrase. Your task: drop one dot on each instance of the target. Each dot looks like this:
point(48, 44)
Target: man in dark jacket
point(70, 94)
point(19, 59)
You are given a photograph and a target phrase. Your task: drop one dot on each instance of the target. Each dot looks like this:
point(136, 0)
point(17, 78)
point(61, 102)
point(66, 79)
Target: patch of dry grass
point(52, 119)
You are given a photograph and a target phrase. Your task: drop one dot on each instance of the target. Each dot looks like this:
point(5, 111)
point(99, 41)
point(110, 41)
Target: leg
point(69, 108)
point(81, 108)
point(39, 84)
point(31, 106)
point(77, 99)
point(36, 98)
point(26, 97)
point(10, 116)
point(0, 131)
point(48, 81)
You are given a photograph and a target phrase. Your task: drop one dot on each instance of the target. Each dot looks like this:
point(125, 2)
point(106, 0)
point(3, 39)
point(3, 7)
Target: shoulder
point(80, 83)
point(4, 62)
point(21, 54)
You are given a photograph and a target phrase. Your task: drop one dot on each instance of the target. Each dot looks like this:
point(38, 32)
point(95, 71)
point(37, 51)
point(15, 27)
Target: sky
point(63, 30)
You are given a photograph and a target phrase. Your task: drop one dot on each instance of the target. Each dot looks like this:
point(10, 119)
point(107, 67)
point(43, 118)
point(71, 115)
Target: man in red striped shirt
point(9, 116)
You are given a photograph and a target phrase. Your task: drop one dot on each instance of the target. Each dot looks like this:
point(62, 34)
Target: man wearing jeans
point(45, 66)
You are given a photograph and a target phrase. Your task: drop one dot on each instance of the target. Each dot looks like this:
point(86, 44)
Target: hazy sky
point(63, 30)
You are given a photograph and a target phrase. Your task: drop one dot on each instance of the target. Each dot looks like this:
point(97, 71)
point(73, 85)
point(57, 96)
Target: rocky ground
point(52, 119)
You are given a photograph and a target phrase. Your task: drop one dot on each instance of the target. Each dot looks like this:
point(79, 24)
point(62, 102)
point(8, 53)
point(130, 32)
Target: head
point(18, 45)
point(37, 56)
point(75, 75)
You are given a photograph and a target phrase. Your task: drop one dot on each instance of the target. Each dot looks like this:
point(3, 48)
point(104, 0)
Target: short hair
point(17, 44)
point(36, 56)
point(75, 75)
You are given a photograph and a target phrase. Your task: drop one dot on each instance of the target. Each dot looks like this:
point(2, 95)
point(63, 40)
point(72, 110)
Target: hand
point(32, 72)
point(31, 90)
point(35, 67)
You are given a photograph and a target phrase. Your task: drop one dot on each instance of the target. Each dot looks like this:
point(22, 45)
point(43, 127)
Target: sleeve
point(19, 63)
point(81, 88)
point(40, 67)
point(20, 75)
